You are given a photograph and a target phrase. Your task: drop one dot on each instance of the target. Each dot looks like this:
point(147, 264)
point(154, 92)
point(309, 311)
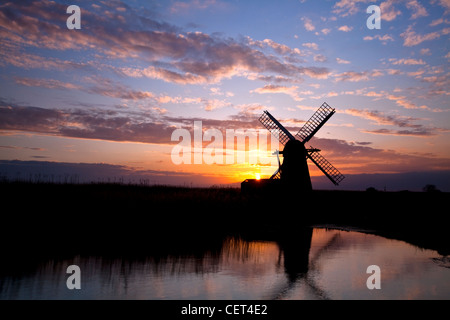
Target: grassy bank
point(126, 218)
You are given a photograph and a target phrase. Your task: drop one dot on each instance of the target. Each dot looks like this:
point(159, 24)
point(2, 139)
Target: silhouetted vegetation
point(61, 219)
point(431, 188)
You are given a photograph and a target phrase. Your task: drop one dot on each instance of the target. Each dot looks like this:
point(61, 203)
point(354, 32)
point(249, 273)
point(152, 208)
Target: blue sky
point(114, 91)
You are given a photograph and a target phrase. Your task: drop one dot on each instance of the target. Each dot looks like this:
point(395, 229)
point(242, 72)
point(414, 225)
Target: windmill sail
point(277, 174)
point(295, 168)
point(326, 167)
point(275, 127)
point(313, 125)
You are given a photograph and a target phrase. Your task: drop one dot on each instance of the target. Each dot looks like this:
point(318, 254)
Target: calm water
point(319, 264)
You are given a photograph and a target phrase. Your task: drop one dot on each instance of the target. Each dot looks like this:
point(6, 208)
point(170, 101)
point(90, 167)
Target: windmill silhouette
point(299, 264)
point(293, 172)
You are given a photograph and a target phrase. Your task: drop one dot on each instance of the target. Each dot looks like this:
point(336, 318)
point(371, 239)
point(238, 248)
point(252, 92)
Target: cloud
point(212, 104)
point(151, 125)
point(180, 7)
point(417, 8)
point(320, 58)
point(347, 7)
point(315, 72)
point(23, 148)
point(394, 72)
point(291, 91)
point(411, 38)
point(279, 48)
point(353, 76)
point(332, 94)
point(101, 86)
point(342, 61)
point(436, 22)
point(109, 88)
point(345, 28)
point(273, 78)
point(84, 123)
point(165, 51)
point(274, 89)
point(311, 45)
point(416, 133)
point(163, 74)
point(384, 38)
point(403, 102)
point(325, 31)
point(407, 61)
point(28, 118)
point(307, 23)
point(46, 83)
point(224, 60)
point(439, 86)
point(15, 57)
point(354, 158)
point(446, 5)
point(155, 127)
point(382, 119)
point(425, 51)
point(379, 118)
point(388, 11)
point(216, 91)
point(399, 100)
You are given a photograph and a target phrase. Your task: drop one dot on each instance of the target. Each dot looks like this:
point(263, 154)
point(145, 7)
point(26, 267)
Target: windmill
point(293, 172)
point(304, 264)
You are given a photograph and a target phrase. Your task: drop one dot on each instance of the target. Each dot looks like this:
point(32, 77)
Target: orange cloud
point(407, 61)
point(388, 11)
point(345, 28)
point(384, 38)
point(308, 24)
point(380, 118)
point(417, 8)
point(354, 76)
point(46, 83)
point(411, 38)
point(188, 57)
point(270, 88)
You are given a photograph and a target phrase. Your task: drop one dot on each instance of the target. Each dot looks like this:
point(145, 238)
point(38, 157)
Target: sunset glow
point(102, 102)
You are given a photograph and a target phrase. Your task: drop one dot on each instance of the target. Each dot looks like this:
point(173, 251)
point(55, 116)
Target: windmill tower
point(293, 172)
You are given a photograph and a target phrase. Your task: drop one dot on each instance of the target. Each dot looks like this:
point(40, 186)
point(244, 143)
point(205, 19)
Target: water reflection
point(298, 262)
point(306, 264)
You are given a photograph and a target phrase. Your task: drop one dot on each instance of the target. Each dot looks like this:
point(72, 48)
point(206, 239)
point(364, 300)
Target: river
point(318, 263)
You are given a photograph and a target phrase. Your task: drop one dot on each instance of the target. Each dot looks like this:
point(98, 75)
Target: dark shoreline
point(60, 219)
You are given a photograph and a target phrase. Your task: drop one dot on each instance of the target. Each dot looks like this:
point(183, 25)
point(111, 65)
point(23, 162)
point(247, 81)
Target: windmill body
point(293, 173)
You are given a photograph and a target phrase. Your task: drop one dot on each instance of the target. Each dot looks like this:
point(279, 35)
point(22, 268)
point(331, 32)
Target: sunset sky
point(105, 99)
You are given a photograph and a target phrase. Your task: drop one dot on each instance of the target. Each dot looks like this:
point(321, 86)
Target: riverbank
point(111, 218)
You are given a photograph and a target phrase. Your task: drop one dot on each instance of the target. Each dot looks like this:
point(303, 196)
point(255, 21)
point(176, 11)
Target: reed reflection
point(299, 264)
